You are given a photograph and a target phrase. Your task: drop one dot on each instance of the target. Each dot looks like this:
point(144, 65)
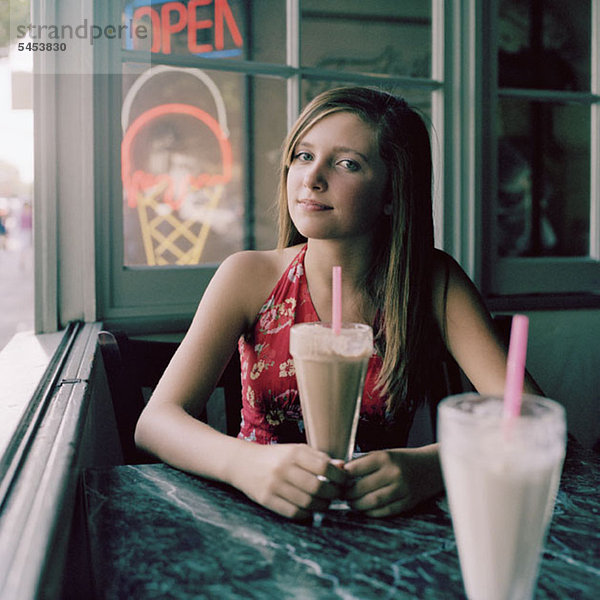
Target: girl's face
point(336, 179)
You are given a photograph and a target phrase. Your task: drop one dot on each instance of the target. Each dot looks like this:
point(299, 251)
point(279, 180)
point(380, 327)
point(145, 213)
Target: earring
point(387, 209)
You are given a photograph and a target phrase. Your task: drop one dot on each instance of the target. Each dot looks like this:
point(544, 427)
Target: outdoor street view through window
point(16, 182)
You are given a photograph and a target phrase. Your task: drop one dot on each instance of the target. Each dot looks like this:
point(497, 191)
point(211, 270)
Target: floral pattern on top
point(271, 410)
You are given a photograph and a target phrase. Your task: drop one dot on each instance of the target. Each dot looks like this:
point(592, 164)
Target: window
point(243, 70)
point(16, 178)
point(205, 92)
point(544, 231)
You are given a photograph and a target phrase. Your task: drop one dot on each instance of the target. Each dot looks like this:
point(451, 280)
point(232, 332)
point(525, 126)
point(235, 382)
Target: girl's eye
point(302, 156)
point(349, 164)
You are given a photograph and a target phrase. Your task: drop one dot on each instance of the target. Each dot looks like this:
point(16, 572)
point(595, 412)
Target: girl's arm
point(282, 478)
point(469, 330)
point(389, 482)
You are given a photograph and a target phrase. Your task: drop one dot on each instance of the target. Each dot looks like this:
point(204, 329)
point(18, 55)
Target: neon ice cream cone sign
point(174, 232)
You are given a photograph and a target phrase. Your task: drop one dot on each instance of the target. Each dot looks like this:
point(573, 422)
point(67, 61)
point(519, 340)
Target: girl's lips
point(313, 205)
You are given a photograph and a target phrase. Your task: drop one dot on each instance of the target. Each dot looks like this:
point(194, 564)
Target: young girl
point(355, 191)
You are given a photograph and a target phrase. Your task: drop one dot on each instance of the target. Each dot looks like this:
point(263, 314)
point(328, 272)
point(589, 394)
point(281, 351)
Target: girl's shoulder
point(253, 274)
point(442, 264)
point(445, 269)
point(260, 265)
point(447, 277)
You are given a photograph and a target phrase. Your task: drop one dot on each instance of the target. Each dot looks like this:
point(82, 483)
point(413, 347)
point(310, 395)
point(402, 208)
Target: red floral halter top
point(271, 410)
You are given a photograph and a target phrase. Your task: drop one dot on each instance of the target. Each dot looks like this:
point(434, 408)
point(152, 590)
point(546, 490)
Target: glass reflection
point(385, 37)
point(544, 44)
point(543, 206)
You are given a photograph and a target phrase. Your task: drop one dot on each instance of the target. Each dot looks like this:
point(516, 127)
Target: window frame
point(544, 282)
point(119, 288)
point(64, 202)
point(75, 196)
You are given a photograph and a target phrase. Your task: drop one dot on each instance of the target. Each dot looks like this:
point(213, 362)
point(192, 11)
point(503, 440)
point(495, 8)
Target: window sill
point(23, 363)
point(50, 380)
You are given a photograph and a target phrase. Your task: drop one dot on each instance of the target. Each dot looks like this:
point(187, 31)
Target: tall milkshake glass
point(330, 370)
point(501, 479)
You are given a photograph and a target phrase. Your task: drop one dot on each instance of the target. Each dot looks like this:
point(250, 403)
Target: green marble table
point(155, 532)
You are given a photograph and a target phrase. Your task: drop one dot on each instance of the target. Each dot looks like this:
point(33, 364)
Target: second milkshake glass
point(501, 477)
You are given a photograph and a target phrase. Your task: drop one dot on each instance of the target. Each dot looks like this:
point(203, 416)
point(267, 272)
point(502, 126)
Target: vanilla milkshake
point(501, 478)
point(330, 370)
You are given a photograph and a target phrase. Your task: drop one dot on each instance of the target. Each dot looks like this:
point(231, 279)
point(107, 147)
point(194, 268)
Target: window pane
point(209, 29)
point(543, 179)
point(417, 98)
point(16, 181)
point(266, 23)
point(269, 129)
point(386, 37)
point(544, 45)
point(182, 165)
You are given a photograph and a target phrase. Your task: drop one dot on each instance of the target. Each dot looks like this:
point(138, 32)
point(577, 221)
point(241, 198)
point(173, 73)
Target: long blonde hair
point(399, 279)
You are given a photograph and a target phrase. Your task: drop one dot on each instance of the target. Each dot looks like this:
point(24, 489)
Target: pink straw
point(515, 366)
point(336, 300)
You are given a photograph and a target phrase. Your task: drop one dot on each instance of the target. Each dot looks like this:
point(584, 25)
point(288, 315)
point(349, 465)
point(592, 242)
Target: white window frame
point(64, 207)
point(72, 188)
point(545, 282)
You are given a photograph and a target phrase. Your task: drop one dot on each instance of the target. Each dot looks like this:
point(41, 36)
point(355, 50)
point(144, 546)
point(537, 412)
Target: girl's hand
point(387, 482)
point(291, 479)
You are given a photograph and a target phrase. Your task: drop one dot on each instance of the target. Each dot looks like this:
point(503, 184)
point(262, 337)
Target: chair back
point(133, 368)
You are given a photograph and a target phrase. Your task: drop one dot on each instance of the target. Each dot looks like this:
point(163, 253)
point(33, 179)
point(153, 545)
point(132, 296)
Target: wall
point(564, 358)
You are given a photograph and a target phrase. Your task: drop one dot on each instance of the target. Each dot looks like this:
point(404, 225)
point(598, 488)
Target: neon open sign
point(206, 19)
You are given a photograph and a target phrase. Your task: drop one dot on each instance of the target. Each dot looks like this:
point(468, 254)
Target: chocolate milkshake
point(330, 370)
